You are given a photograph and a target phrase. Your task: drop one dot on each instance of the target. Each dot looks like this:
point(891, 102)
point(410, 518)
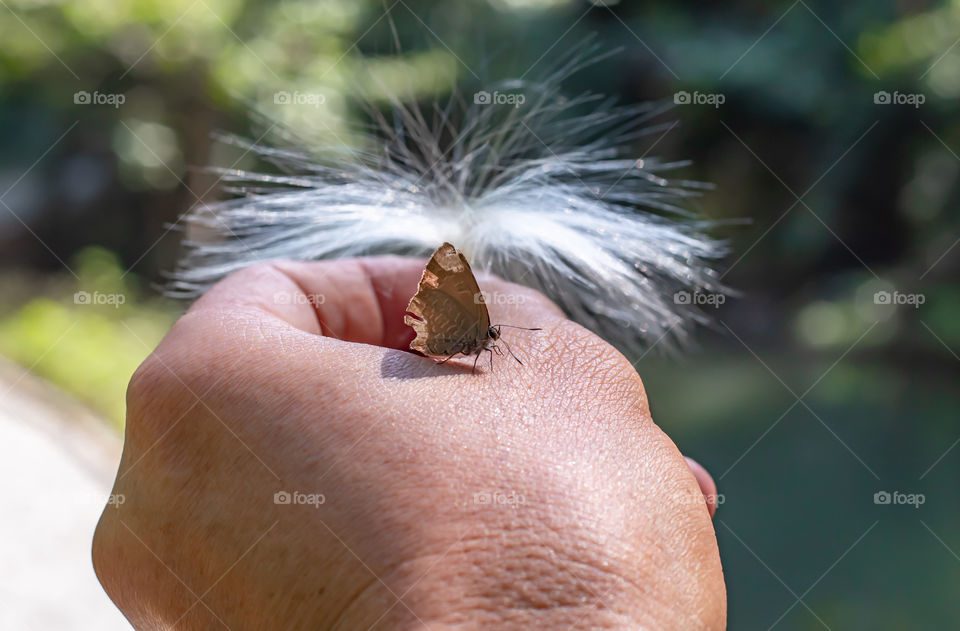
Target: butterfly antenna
point(510, 326)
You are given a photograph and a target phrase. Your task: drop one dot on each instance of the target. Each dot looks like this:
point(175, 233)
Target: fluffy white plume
point(539, 194)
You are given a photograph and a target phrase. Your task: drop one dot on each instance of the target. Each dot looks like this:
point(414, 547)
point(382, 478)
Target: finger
point(344, 299)
point(359, 300)
point(707, 486)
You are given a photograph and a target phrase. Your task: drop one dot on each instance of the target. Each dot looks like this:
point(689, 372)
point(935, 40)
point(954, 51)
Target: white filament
point(539, 194)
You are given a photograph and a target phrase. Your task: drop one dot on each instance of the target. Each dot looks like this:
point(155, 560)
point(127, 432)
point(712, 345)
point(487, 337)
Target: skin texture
point(529, 496)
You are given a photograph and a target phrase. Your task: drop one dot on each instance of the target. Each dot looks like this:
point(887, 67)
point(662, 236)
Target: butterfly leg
point(509, 350)
point(449, 357)
point(474, 370)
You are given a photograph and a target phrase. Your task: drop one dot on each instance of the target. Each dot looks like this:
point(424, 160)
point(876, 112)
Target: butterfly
point(449, 313)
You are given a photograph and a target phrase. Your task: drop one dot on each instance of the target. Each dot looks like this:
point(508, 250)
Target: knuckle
point(150, 379)
point(151, 391)
point(602, 371)
point(169, 380)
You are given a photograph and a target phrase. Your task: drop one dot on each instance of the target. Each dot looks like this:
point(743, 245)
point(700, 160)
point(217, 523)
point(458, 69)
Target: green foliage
point(90, 350)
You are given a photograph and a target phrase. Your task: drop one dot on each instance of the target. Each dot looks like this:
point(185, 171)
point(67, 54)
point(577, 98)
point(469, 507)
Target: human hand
point(540, 494)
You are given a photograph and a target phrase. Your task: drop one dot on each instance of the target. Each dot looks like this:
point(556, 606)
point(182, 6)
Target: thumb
point(358, 300)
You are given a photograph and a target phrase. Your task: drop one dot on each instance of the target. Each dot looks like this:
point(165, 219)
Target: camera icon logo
point(882, 298)
point(682, 298)
point(281, 98)
point(682, 98)
point(81, 298)
point(482, 98)
point(281, 497)
point(881, 497)
point(881, 98)
point(81, 97)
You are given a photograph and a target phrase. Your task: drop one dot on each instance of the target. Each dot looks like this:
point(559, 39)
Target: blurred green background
point(806, 397)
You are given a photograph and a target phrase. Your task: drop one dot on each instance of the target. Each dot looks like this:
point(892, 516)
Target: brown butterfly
point(448, 311)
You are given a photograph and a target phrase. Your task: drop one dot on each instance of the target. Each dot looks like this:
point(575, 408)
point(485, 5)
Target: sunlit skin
point(539, 495)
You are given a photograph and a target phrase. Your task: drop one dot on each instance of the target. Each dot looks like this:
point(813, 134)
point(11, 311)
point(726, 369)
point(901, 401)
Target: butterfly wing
point(448, 311)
